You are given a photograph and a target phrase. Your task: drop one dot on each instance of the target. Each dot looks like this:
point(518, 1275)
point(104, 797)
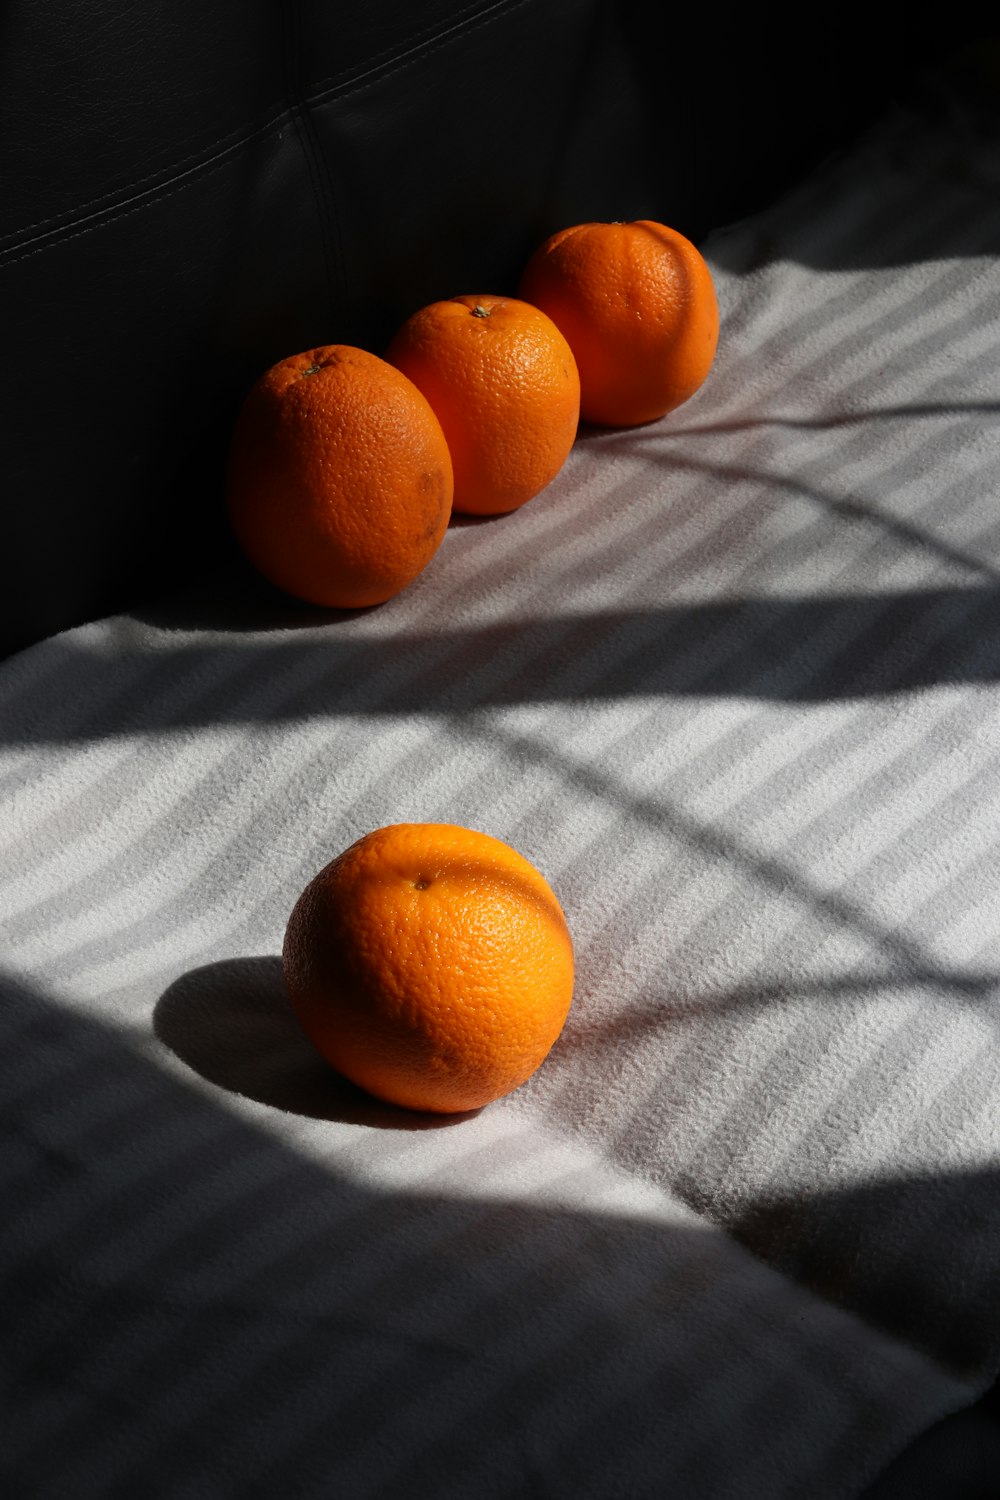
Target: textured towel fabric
point(733, 684)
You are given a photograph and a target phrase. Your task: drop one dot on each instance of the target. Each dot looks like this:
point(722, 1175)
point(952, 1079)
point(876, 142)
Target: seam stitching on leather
point(238, 137)
point(113, 215)
point(315, 161)
point(70, 224)
point(503, 9)
point(122, 207)
point(235, 135)
point(462, 20)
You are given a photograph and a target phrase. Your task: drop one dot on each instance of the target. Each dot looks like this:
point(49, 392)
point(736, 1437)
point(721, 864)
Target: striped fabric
point(733, 684)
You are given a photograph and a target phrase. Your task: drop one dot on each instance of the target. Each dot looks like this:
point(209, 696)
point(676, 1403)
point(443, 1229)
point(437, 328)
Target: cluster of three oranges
point(345, 467)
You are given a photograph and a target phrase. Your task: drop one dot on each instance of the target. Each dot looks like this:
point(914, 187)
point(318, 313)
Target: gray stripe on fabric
point(837, 326)
point(817, 822)
point(832, 903)
point(967, 331)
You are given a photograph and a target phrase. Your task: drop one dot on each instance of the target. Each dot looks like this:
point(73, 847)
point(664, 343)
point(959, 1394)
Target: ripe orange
point(339, 482)
point(505, 387)
point(638, 308)
point(431, 965)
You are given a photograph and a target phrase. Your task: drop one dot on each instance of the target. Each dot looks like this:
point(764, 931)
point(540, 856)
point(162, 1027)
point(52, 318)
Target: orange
point(339, 482)
point(504, 384)
point(431, 965)
point(638, 308)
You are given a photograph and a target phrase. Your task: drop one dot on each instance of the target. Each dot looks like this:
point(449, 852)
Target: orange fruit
point(339, 480)
point(504, 384)
point(637, 305)
point(431, 965)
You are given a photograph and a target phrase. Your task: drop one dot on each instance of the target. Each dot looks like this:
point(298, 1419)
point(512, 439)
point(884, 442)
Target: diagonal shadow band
point(195, 1306)
point(809, 650)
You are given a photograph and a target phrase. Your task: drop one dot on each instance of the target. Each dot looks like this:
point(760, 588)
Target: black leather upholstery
point(190, 192)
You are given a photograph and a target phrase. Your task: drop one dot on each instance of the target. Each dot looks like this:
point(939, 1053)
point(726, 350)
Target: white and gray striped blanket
point(733, 684)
